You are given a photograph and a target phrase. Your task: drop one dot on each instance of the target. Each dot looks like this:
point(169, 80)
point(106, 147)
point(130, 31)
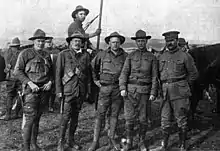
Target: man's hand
point(47, 86)
point(33, 86)
point(77, 72)
point(152, 98)
point(124, 93)
point(98, 32)
point(59, 95)
point(98, 83)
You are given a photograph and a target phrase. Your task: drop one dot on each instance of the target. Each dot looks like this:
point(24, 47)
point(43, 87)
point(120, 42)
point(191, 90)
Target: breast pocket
point(146, 64)
point(135, 63)
point(37, 66)
point(106, 64)
point(161, 65)
point(178, 66)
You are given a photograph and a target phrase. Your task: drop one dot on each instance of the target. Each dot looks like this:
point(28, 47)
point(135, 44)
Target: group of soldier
point(129, 81)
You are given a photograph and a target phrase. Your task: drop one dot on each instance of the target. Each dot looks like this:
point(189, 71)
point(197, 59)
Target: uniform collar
point(119, 52)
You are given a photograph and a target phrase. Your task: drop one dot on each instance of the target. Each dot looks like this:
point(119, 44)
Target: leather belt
point(141, 83)
point(172, 80)
point(111, 83)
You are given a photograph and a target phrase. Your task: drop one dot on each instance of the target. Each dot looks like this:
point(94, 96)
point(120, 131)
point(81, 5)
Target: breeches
point(174, 108)
point(137, 106)
point(109, 98)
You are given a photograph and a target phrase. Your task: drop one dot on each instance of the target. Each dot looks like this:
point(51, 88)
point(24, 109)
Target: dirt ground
point(208, 139)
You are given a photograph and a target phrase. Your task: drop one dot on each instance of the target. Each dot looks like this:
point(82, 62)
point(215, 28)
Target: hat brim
point(68, 39)
point(76, 11)
point(14, 45)
point(122, 39)
point(145, 37)
point(40, 37)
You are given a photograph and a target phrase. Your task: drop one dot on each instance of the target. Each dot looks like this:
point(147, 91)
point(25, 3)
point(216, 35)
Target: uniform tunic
point(139, 79)
point(177, 71)
point(107, 67)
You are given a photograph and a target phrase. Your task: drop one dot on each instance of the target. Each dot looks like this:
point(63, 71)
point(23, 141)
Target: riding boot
point(112, 142)
point(129, 140)
point(34, 135)
point(142, 134)
point(26, 137)
point(164, 143)
point(180, 136)
point(97, 130)
point(183, 138)
point(61, 141)
point(72, 129)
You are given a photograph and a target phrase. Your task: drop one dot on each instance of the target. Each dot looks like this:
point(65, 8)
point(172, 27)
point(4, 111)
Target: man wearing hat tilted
point(13, 84)
point(53, 54)
point(183, 44)
point(34, 69)
point(138, 85)
point(79, 15)
point(72, 82)
point(177, 71)
point(107, 67)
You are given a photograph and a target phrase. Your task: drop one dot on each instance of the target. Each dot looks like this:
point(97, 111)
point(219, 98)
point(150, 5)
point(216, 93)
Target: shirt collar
point(119, 52)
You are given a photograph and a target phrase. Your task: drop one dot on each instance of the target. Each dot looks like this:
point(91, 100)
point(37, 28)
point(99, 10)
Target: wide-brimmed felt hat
point(15, 42)
point(39, 34)
point(140, 34)
point(170, 35)
point(115, 34)
point(79, 8)
point(76, 34)
point(182, 41)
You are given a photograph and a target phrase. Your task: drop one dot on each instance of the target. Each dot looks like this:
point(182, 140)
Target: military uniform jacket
point(10, 61)
point(35, 66)
point(177, 65)
point(107, 66)
point(67, 81)
point(140, 67)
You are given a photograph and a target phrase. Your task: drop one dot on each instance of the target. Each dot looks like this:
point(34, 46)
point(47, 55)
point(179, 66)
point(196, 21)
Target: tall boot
point(60, 146)
point(27, 137)
point(129, 140)
point(35, 129)
point(142, 134)
point(183, 138)
point(72, 129)
point(97, 130)
point(111, 140)
point(164, 143)
point(180, 136)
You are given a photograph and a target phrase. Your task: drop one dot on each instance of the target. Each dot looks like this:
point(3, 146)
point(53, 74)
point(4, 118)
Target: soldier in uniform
point(183, 44)
point(12, 84)
point(34, 69)
point(177, 71)
point(72, 84)
point(79, 15)
point(53, 54)
point(107, 67)
point(138, 85)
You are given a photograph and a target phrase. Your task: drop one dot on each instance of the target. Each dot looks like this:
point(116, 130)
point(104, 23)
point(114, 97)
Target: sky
point(197, 20)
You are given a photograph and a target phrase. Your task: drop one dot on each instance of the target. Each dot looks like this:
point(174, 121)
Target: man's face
point(171, 44)
point(39, 44)
point(141, 43)
point(48, 43)
point(76, 44)
point(15, 48)
point(81, 15)
point(114, 43)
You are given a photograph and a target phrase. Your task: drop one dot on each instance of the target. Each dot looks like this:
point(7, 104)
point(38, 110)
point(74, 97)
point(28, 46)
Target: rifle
point(89, 23)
